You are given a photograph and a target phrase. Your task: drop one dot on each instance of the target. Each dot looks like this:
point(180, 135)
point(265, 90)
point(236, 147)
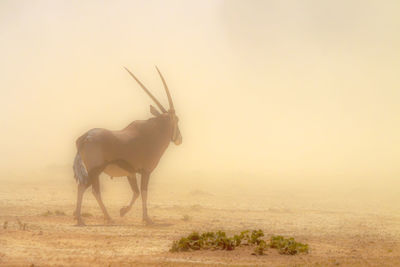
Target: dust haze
point(289, 113)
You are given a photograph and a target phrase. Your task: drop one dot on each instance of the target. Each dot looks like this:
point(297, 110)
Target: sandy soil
point(341, 229)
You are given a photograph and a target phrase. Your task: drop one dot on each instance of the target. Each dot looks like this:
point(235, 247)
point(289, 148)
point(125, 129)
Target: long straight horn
point(171, 104)
point(147, 91)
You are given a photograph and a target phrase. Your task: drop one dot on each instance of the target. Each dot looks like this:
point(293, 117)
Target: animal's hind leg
point(133, 183)
point(77, 214)
point(97, 195)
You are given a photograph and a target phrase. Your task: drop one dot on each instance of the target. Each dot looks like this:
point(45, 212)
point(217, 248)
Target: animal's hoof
point(148, 221)
point(123, 211)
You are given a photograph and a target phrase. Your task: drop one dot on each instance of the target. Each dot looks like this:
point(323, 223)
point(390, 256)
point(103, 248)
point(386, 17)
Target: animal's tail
point(80, 172)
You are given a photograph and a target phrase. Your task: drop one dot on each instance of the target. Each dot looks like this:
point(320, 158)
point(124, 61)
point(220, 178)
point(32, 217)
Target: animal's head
point(173, 119)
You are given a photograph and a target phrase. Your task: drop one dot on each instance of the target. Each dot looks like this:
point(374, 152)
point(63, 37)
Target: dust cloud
point(289, 113)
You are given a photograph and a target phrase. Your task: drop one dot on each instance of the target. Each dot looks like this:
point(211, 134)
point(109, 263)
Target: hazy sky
point(290, 88)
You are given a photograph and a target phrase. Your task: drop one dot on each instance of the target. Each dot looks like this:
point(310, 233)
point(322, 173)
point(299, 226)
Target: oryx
point(135, 149)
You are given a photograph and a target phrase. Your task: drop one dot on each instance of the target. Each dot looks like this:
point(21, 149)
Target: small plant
point(181, 245)
point(244, 236)
point(185, 218)
point(47, 213)
point(86, 214)
point(195, 240)
point(56, 212)
point(208, 240)
point(22, 226)
point(237, 239)
point(224, 242)
point(255, 237)
point(287, 246)
point(260, 248)
point(59, 213)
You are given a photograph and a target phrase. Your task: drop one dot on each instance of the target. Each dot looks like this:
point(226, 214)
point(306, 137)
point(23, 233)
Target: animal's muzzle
point(178, 140)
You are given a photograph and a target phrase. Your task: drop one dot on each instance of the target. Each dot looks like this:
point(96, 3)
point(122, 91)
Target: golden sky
point(287, 88)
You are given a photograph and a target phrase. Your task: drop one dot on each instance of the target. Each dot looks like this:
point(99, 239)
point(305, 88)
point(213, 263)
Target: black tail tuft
point(80, 172)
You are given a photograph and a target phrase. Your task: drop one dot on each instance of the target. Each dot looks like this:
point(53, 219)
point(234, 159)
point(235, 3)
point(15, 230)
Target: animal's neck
point(163, 130)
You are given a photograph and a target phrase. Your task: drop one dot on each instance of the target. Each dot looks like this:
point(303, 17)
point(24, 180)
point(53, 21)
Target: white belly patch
point(116, 171)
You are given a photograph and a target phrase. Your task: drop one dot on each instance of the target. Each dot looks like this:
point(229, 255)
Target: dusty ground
point(344, 227)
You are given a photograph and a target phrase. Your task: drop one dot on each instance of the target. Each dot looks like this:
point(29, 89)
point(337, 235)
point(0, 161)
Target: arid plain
point(355, 226)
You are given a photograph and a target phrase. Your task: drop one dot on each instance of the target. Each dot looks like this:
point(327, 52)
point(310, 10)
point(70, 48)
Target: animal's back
point(107, 150)
point(123, 152)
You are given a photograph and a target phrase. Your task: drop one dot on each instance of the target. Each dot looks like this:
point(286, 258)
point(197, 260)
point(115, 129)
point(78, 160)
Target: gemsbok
point(136, 149)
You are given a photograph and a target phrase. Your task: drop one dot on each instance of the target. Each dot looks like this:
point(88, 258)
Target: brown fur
point(135, 149)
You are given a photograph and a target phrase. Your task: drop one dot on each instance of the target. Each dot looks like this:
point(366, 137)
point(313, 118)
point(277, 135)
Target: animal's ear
point(154, 111)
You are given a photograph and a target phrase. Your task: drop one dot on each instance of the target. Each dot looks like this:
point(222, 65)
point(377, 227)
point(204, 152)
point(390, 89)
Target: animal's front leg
point(143, 187)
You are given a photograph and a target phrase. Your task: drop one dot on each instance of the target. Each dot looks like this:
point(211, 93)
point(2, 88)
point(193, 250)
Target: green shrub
point(260, 248)
point(287, 246)
point(255, 237)
point(220, 241)
point(207, 240)
point(224, 242)
point(182, 245)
